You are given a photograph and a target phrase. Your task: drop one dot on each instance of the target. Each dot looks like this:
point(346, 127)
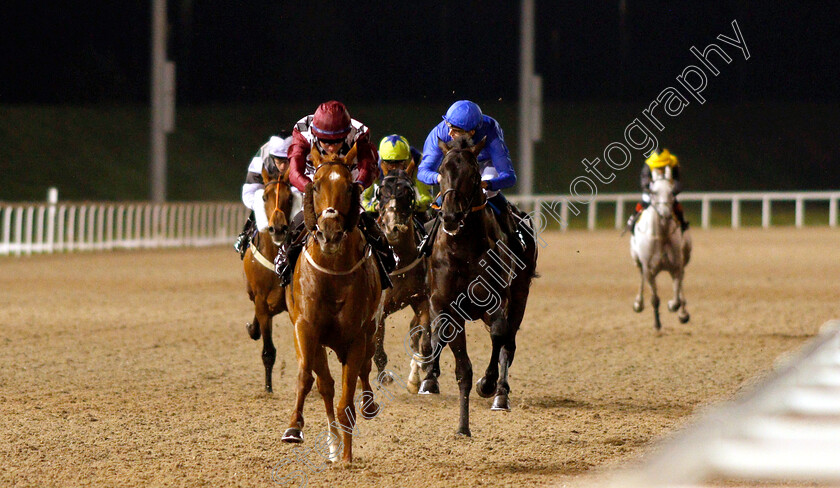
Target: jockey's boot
point(424, 248)
point(287, 254)
point(631, 222)
point(678, 211)
point(385, 260)
point(243, 240)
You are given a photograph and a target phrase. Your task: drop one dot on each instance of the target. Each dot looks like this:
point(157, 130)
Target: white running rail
point(69, 227)
point(546, 206)
point(786, 428)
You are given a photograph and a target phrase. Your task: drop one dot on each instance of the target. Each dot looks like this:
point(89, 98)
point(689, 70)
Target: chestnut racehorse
point(333, 295)
point(396, 219)
point(473, 274)
point(263, 284)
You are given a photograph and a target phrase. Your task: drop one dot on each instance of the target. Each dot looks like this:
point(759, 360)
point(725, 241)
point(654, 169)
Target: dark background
point(98, 50)
point(74, 97)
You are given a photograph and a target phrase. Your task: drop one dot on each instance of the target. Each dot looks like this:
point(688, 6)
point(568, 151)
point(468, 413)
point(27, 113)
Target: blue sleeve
point(500, 156)
point(432, 156)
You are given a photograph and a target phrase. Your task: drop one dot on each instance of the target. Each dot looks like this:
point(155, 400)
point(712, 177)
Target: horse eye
point(265, 197)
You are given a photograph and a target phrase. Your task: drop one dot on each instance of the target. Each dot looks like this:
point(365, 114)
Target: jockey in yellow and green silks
point(395, 153)
point(658, 162)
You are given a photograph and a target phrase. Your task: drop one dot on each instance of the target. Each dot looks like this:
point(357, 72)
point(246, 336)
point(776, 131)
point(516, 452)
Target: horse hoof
point(370, 410)
point(684, 318)
point(268, 389)
point(253, 330)
point(501, 404)
point(293, 436)
point(463, 432)
point(673, 305)
point(385, 379)
point(484, 388)
point(413, 387)
point(638, 307)
point(429, 387)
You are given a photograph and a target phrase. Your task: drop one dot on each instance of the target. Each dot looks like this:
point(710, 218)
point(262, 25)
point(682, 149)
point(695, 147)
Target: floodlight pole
point(530, 99)
point(157, 169)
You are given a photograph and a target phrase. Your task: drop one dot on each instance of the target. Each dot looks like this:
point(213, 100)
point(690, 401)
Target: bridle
point(472, 199)
point(330, 210)
point(276, 194)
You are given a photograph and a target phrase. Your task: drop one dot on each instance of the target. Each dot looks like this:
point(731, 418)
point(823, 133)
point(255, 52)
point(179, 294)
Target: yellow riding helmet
point(660, 160)
point(394, 148)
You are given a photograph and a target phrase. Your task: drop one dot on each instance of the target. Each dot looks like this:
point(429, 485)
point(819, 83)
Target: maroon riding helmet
point(331, 121)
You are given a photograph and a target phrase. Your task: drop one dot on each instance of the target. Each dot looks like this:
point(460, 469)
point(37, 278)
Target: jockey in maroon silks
point(331, 130)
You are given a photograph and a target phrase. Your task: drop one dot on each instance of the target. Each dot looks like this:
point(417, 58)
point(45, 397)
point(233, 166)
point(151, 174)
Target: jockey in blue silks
point(465, 118)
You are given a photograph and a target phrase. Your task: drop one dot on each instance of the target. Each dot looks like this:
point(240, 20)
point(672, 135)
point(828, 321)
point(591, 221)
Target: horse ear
point(351, 155)
point(265, 176)
point(285, 176)
point(443, 147)
point(315, 156)
point(479, 147)
point(409, 170)
point(309, 217)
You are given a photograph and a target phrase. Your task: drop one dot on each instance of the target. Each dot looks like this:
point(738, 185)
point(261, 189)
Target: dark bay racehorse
point(396, 218)
point(263, 284)
point(473, 274)
point(334, 293)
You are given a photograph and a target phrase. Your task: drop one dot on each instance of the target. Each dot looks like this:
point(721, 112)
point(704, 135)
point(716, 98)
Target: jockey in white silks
point(273, 157)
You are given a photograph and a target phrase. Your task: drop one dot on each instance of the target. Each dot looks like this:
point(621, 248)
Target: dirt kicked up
point(134, 368)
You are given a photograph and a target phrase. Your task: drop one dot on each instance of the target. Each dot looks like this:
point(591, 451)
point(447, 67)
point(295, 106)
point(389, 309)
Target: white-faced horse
point(659, 244)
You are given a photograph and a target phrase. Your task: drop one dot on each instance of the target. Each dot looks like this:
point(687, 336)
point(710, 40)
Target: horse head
point(662, 195)
point(460, 182)
point(277, 200)
point(396, 205)
point(331, 202)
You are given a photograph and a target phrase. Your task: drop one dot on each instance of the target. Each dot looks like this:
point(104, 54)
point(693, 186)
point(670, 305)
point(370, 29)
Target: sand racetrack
point(134, 368)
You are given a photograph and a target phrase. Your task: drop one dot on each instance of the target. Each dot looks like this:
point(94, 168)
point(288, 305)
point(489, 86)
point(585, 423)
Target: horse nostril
point(271, 229)
point(284, 229)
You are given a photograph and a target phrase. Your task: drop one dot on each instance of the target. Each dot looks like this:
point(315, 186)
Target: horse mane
point(461, 142)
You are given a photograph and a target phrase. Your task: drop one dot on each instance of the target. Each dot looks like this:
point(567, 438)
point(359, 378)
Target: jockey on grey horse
point(659, 243)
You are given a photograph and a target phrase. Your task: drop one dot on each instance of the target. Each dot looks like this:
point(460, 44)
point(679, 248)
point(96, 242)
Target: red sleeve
point(298, 152)
point(366, 158)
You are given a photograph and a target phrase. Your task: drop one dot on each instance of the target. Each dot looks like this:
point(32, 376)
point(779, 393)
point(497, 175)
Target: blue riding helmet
point(464, 114)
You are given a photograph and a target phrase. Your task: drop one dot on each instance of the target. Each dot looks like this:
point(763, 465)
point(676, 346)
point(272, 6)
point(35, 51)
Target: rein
point(260, 258)
point(408, 268)
point(332, 272)
point(475, 208)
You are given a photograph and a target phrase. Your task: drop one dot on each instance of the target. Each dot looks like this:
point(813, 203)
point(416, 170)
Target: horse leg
point(253, 328)
point(518, 301)
point(369, 407)
point(413, 382)
point(683, 315)
point(676, 280)
point(269, 352)
point(464, 377)
point(346, 409)
point(430, 383)
point(326, 387)
point(420, 344)
point(305, 349)
point(486, 385)
point(379, 355)
point(639, 304)
point(654, 299)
